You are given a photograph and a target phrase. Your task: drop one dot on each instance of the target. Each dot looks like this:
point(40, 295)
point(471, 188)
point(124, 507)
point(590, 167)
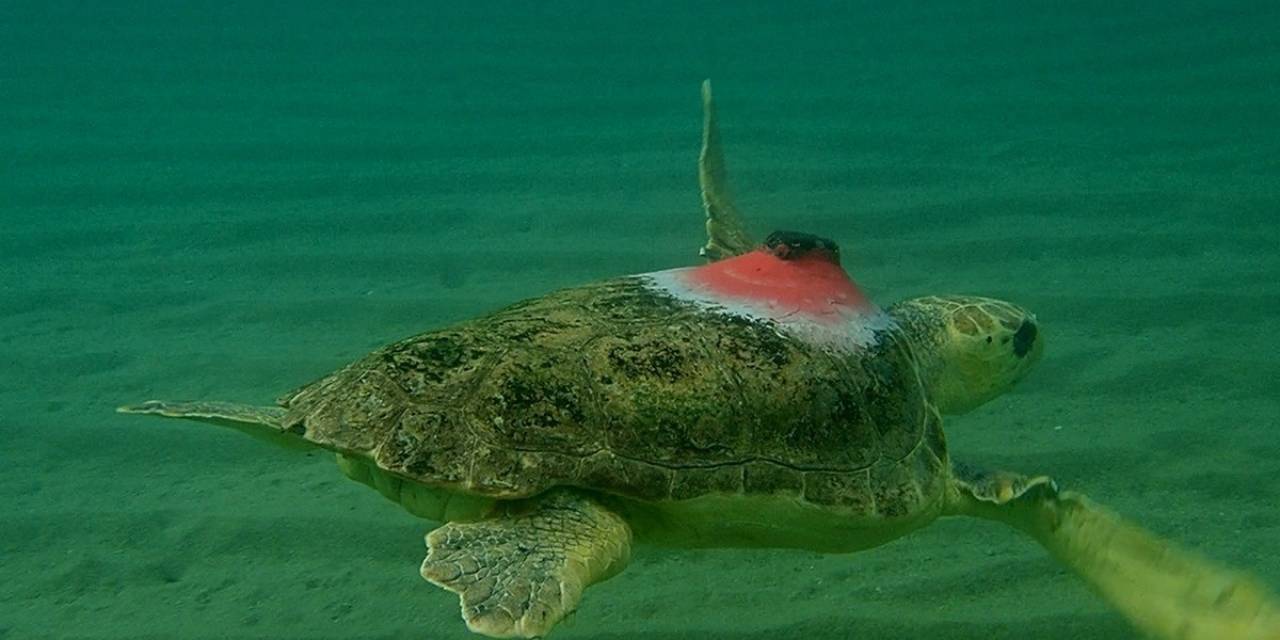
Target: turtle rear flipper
point(264, 423)
point(519, 573)
point(1167, 592)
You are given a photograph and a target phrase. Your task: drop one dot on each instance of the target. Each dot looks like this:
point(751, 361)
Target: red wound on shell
point(781, 281)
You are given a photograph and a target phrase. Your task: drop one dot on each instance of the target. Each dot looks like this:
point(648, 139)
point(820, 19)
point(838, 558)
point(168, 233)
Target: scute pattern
point(535, 402)
point(427, 443)
point(700, 481)
point(623, 389)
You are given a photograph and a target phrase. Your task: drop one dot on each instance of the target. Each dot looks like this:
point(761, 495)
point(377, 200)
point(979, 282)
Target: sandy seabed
point(228, 202)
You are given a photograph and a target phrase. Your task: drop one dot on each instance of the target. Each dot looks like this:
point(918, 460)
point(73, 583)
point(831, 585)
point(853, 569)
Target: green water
point(226, 200)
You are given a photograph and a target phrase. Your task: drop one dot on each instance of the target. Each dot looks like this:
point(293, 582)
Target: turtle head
point(971, 349)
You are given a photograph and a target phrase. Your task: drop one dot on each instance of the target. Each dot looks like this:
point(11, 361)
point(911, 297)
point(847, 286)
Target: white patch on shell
point(853, 331)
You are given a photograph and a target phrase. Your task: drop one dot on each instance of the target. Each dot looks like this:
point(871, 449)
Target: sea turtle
point(758, 400)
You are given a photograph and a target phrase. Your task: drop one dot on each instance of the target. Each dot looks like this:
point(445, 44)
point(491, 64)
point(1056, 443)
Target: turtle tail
point(264, 423)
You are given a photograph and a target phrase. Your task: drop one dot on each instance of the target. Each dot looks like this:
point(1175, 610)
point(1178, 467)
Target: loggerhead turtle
point(759, 400)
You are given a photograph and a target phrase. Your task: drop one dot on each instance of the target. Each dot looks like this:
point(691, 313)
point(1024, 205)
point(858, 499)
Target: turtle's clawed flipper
point(1168, 592)
point(523, 570)
point(264, 423)
point(726, 236)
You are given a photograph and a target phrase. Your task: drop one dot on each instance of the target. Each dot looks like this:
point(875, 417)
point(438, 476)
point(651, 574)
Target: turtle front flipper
point(1167, 592)
point(523, 570)
point(264, 423)
point(726, 236)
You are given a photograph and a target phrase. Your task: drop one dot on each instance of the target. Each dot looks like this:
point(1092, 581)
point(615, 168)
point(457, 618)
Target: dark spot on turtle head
point(1024, 338)
point(793, 245)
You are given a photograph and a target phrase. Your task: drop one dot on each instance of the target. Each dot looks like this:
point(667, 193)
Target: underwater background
point(225, 200)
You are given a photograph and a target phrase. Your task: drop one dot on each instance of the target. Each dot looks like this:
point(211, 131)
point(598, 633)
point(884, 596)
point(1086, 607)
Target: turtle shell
point(625, 388)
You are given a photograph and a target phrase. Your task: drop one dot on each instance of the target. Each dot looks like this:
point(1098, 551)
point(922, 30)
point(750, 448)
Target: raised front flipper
point(726, 236)
point(523, 570)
